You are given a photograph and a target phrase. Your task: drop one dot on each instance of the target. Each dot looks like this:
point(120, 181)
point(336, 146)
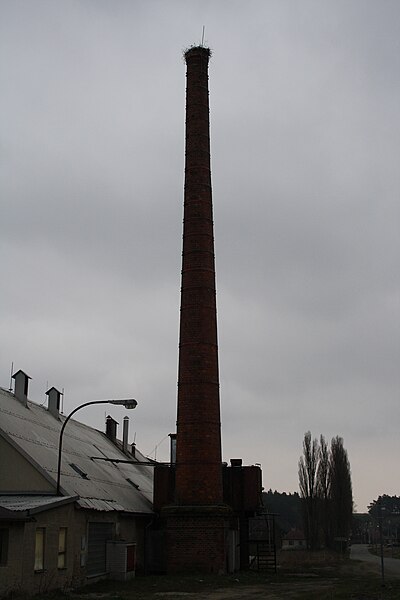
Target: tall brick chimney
point(197, 521)
point(198, 449)
point(203, 506)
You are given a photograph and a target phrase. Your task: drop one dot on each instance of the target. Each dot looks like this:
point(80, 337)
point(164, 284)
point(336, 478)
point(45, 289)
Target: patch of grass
point(387, 552)
point(302, 559)
point(301, 576)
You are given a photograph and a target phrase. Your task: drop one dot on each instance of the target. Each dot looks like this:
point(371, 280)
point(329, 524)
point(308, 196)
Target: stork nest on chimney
point(197, 47)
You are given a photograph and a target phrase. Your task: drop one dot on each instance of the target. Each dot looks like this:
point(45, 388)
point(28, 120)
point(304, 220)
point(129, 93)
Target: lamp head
point(129, 403)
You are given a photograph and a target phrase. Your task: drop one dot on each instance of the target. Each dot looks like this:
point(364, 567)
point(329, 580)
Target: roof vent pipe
point(54, 401)
point(125, 434)
point(21, 386)
point(111, 428)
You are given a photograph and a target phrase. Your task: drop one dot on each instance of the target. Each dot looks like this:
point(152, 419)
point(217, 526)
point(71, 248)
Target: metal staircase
point(264, 557)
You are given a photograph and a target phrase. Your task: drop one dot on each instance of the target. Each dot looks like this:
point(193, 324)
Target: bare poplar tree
point(341, 492)
point(324, 491)
point(308, 465)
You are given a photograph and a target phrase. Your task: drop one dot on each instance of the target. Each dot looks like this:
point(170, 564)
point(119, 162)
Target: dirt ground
point(301, 577)
point(268, 591)
point(311, 590)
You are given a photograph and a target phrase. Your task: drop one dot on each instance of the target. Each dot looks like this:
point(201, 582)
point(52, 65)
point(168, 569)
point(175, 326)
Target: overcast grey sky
point(305, 140)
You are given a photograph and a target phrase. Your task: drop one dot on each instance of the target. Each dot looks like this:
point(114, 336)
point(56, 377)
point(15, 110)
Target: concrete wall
point(22, 477)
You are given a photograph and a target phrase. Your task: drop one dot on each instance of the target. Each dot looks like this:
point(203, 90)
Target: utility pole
point(380, 521)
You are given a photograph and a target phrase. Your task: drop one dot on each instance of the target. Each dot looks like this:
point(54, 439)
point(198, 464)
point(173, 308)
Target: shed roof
point(99, 484)
point(32, 504)
point(294, 534)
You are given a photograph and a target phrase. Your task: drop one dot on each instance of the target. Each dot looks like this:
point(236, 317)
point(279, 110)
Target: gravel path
point(391, 565)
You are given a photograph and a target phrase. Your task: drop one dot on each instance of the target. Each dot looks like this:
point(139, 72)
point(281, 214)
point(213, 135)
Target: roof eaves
point(58, 501)
point(11, 515)
point(126, 513)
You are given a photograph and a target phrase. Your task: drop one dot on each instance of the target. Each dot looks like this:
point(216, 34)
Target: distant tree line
point(286, 507)
point(386, 504)
point(383, 512)
point(325, 492)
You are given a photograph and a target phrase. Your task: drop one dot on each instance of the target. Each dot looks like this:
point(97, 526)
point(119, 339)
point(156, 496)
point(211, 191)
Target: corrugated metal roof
point(106, 485)
point(34, 503)
point(97, 504)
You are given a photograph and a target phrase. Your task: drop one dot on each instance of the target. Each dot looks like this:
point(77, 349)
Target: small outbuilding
point(294, 540)
point(95, 527)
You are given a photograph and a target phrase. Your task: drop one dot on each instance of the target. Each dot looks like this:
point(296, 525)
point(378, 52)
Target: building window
point(39, 548)
point(3, 546)
point(62, 548)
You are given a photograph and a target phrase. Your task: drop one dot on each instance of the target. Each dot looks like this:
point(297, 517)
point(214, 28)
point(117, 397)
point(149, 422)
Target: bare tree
point(324, 491)
point(308, 466)
point(341, 492)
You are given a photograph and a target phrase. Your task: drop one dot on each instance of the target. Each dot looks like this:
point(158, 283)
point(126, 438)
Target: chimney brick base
point(197, 538)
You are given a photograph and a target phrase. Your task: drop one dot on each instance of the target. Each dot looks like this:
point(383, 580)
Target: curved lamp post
point(129, 403)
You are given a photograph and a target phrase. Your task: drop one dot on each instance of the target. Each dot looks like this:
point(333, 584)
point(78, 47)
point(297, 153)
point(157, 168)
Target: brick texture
point(197, 541)
point(198, 461)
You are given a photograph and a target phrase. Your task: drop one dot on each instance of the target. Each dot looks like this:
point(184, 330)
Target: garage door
point(99, 534)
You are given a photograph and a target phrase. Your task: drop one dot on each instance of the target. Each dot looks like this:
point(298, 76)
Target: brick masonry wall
point(198, 453)
point(197, 543)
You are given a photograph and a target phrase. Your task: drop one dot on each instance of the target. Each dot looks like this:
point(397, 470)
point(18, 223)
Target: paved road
point(391, 565)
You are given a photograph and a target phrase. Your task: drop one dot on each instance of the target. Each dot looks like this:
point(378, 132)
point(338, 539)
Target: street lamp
point(129, 403)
